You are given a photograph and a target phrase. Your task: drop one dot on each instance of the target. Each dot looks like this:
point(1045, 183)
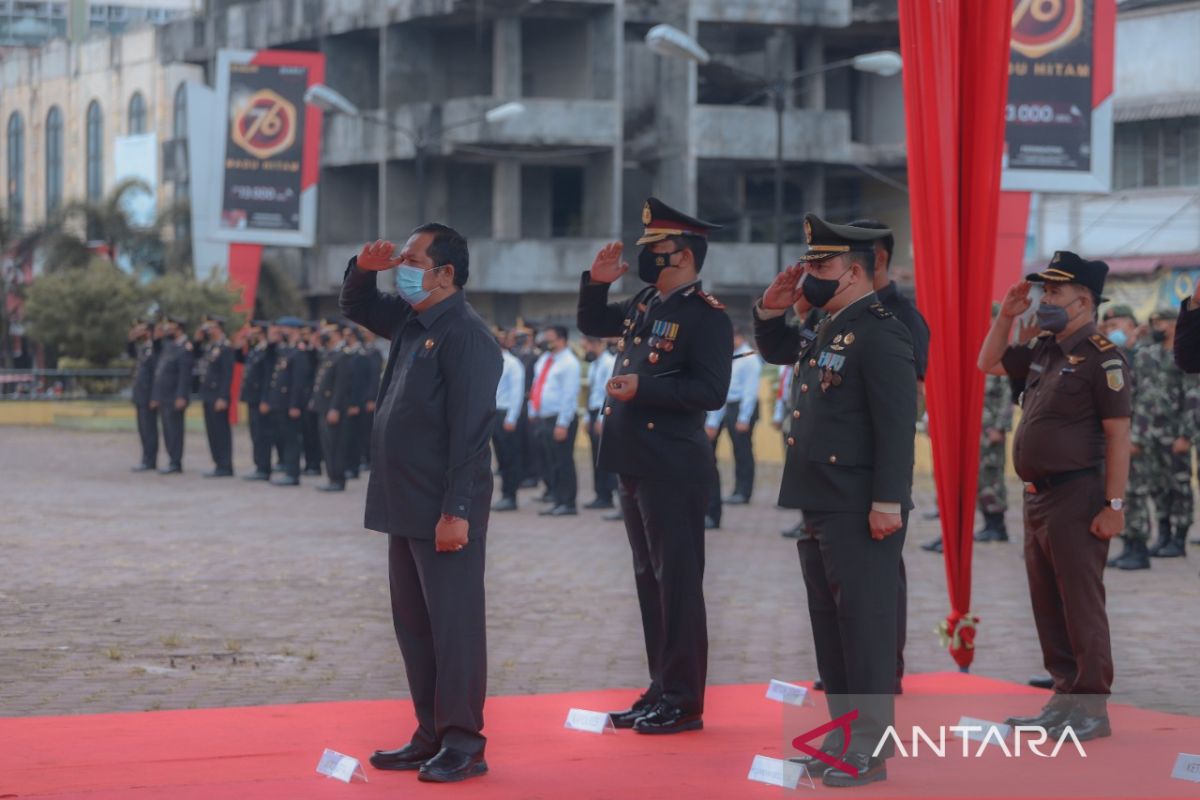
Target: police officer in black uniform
point(330, 402)
point(308, 344)
point(360, 381)
point(255, 353)
point(674, 364)
point(144, 346)
point(216, 389)
point(172, 390)
point(849, 469)
point(374, 375)
point(287, 397)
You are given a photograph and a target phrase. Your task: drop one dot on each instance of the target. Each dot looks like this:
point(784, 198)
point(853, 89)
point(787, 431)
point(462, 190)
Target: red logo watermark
point(842, 722)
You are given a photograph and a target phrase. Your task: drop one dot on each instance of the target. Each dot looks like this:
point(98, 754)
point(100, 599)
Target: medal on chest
point(831, 365)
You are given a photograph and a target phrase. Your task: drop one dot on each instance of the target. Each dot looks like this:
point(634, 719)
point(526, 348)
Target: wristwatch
point(1116, 504)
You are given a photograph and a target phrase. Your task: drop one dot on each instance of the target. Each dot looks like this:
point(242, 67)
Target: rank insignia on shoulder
point(1075, 360)
point(1116, 378)
point(712, 301)
point(878, 310)
point(1100, 342)
point(429, 344)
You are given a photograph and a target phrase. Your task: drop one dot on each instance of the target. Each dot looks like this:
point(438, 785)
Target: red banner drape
point(955, 84)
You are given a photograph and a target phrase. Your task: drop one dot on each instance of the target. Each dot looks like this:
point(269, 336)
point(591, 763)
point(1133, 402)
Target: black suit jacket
point(1187, 339)
point(852, 434)
point(173, 373)
point(216, 376)
point(682, 352)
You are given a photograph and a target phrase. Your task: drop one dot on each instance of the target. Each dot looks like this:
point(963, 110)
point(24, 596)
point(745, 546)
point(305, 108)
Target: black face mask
point(590, 357)
point(819, 291)
point(651, 264)
point(1158, 336)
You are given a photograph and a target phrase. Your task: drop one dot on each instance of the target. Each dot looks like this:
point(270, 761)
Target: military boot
point(1164, 536)
point(1138, 557)
point(1126, 547)
point(1176, 547)
point(993, 530)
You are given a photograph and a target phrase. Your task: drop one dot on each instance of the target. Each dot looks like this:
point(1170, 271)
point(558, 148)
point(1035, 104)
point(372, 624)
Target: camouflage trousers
point(993, 494)
point(1166, 478)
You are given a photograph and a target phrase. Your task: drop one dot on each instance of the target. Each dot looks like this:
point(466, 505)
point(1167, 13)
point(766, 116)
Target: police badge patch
point(1116, 379)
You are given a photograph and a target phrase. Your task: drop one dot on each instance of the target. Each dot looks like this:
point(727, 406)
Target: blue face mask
point(409, 283)
point(1118, 337)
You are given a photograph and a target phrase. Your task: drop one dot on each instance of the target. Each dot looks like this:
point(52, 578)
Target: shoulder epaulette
point(878, 310)
point(708, 298)
point(1101, 342)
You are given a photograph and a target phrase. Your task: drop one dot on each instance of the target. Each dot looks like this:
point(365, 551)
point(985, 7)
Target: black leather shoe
point(665, 719)
point(285, 481)
point(736, 500)
point(1041, 682)
point(451, 766)
point(623, 720)
point(934, 546)
point(142, 468)
point(546, 498)
point(711, 524)
point(312, 471)
point(815, 766)
point(599, 504)
point(507, 504)
point(870, 770)
point(559, 511)
point(219, 473)
point(616, 516)
point(818, 685)
point(1085, 727)
point(353, 474)
point(1048, 718)
point(332, 487)
point(174, 469)
point(407, 758)
point(794, 532)
point(257, 476)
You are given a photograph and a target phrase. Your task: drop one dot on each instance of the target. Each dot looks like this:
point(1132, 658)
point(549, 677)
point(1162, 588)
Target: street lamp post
point(333, 102)
point(671, 42)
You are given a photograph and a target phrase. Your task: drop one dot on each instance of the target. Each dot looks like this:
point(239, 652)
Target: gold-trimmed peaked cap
point(662, 222)
point(826, 240)
point(1068, 267)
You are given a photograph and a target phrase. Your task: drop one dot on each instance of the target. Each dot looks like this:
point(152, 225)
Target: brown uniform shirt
point(1070, 386)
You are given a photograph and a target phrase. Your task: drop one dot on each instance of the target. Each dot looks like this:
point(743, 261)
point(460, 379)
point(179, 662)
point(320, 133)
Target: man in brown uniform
point(1072, 450)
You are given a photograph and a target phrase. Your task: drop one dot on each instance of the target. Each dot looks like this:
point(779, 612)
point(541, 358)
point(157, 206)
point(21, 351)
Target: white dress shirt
point(743, 387)
point(510, 391)
point(599, 371)
point(560, 393)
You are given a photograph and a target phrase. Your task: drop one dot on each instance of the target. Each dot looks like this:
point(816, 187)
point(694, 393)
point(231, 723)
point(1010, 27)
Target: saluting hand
point(451, 534)
point(784, 291)
point(1016, 300)
point(883, 525)
point(377, 256)
point(608, 266)
point(622, 387)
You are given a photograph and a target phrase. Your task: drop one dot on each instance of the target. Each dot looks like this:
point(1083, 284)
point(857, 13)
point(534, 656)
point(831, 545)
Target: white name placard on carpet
point(579, 719)
point(777, 772)
point(1187, 768)
point(340, 767)
point(788, 693)
point(984, 726)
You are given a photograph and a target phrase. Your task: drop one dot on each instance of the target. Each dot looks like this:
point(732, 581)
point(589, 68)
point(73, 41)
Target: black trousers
point(439, 616)
point(334, 444)
point(558, 460)
point(851, 581)
point(665, 523)
point(147, 424)
point(172, 427)
point(531, 453)
point(220, 436)
point(901, 619)
point(508, 456)
point(311, 440)
point(353, 435)
point(288, 435)
point(743, 457)
point(364, 438)
point(604, 483)
point(260, 438)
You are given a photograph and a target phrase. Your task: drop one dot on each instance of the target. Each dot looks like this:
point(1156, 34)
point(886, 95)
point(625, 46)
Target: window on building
point(54, 160)
point(16, 171)
point(137, 113)
point(566, 202)
point(1157, 153)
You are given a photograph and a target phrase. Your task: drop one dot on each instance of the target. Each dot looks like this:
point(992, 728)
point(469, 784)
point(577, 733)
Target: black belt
point(1058, 479)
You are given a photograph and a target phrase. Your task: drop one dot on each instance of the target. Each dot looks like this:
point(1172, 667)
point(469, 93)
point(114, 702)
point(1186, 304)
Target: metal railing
point(65, 384)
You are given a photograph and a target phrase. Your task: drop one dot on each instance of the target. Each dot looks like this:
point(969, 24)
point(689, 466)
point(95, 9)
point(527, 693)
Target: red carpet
point(272, 752)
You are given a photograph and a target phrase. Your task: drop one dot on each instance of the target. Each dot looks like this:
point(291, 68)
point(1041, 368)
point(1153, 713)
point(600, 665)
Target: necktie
point(535, 395)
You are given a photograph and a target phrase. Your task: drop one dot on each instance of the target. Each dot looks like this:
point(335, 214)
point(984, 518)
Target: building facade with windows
point(29, 23)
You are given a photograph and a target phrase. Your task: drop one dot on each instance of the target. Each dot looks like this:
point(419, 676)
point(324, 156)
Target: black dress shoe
point(623, 720)
point(546, 498)
point(1041, 682)
point(312, 471)
point(934, 546)
point(559, 511)
point(1048, 718)
point(528, 483)
point(870, 770)
point(665, 718)
point(219, 473)
point(815, 766)
point(451, 766)
point(794, 532)
point(142, 468)
point(736, 500)
point(257, 476)
point(353, 475)
point(506, 504)
point(285, 481)
point(332, 487)
point(174, 469)
point(711, 524)
point(616, 516)
point(407, 758)
point(598, 504)
point(818, 685)
point(1084, 726)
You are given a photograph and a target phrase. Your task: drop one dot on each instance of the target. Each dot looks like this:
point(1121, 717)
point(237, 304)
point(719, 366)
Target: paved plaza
point(123, 592)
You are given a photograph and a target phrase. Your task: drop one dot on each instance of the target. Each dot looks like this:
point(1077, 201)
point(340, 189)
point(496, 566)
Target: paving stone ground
point(124, 592)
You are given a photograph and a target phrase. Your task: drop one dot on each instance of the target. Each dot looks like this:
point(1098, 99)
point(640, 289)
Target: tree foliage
point(85, 313)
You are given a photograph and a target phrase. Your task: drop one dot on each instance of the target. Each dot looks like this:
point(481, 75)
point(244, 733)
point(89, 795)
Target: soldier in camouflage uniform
point(993, 495)
point(1121, 327)
point(1162, 433)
